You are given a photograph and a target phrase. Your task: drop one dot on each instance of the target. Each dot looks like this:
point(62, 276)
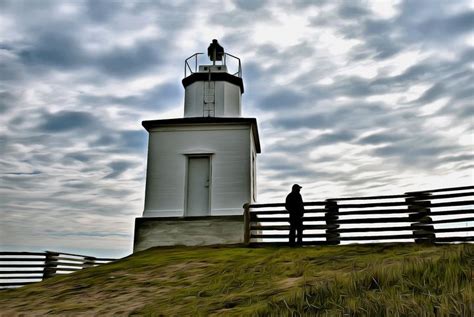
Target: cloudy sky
point(352, 98)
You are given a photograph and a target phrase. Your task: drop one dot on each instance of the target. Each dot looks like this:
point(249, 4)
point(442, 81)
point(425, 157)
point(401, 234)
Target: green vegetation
point(364, 280)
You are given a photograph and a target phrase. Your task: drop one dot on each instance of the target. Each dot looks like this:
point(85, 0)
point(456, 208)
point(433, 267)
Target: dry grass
point(369, 280)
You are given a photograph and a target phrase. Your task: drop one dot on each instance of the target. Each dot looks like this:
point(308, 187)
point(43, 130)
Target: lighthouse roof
point(213, 76)
point(150, 124)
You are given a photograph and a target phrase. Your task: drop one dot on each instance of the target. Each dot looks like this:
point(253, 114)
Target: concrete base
point(159, 231)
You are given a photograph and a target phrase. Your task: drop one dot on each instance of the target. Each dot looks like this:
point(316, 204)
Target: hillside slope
point(373, 280)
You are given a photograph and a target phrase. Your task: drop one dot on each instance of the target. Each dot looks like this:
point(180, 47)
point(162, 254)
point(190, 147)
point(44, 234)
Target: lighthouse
point(201, 168)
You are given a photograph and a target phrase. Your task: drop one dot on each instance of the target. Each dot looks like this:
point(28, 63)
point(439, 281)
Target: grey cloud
point(79, 156)
point(467, 167)
point(77, 184)
point(349, 10)
point(129, 141)
point(102, 11)
point(458, 158)
point(54, 49)
point(160, 97)
point(118, 168)
point(352, 20)
point(370, 181)
point(303, 4)
point(295, 53)
point(105, 140)
point(266, 50)
point(60, 46)
point(358, 115)
point(22, 181)
point(381, 137)
point(446, 78)
point(466, 112)
point(250, 5)
point(417, 23)
point(467, 55)
point(117, 193)
point(281, 99)
point(20, 174)
point(414, 153)
point(62, 51)
point(318, 120)
point(375, 27)
point(385, 48)
point(11, 71)
point(304, 146)
point(379, 46)
point(291, 169)
point(131, 61)
point(253, 73)
point(433, 93)
point(64, 121)
point(133, 140)
point(7, 101)
point(333, 138)
point(40, 159)
point(465, 93)
point(413, 74)
point(446, 27)
point(354, 86)
point(232, 18)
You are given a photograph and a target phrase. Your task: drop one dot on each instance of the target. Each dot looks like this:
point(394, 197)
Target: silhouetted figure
point(294, 205)
point(215, 51)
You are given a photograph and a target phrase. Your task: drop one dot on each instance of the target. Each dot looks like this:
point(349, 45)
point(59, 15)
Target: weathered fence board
point(373, 212)
point(17, 268)
point(21, 253)
point(452, 212)
point(407, 216)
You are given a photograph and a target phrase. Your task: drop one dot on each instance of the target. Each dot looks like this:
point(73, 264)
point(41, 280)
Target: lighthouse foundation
point(188, 231)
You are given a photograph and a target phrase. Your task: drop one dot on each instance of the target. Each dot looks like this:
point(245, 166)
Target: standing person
point(294, 205)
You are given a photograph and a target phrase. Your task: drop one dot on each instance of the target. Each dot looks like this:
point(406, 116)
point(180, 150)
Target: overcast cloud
point(352, 98)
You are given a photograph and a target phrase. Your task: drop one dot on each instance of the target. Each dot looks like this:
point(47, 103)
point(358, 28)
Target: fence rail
point(429, 216)
point(23, 268)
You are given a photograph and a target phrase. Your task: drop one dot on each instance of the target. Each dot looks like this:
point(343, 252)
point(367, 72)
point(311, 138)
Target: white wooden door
point(197, 203)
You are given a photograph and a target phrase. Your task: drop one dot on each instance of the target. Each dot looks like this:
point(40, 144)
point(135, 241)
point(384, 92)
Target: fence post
point(89, 261)
point(332, 216)
point(419, 215)
point(247, 224)
point(50, 265)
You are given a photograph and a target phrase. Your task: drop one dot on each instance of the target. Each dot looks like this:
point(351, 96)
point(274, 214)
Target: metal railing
point(432, 216)
point(23, 268)
point(191, 64)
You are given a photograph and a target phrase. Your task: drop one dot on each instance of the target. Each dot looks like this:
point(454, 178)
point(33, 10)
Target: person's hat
point(296, 186)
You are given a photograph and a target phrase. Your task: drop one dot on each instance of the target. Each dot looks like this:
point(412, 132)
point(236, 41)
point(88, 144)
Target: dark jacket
point(294, 205)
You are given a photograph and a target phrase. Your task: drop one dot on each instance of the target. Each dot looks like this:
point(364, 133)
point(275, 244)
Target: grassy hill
point(368, 280)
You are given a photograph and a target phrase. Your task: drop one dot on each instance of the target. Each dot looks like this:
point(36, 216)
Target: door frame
point(186, 180)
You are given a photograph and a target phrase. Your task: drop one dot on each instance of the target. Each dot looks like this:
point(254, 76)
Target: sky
point(351, 97)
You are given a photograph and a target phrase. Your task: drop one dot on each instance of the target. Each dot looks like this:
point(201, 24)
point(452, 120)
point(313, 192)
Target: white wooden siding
point(229, 145)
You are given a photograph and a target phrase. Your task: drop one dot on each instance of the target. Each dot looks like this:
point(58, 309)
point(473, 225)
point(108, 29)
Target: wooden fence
point(22, 268)
point(431, 216)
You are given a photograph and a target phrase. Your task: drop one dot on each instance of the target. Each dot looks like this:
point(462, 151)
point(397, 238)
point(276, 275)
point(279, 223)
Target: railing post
point(247, 224)
point(332, 216)
point(419, 215)
point(50, 265)
point(89, 261)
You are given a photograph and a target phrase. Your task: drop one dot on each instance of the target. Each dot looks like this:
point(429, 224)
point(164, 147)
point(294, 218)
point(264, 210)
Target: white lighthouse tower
point(201, 168)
